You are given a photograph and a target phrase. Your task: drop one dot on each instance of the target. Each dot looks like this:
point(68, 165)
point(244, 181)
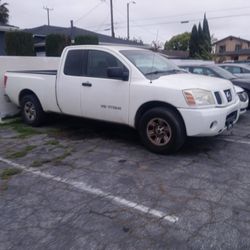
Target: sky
point(150, 20)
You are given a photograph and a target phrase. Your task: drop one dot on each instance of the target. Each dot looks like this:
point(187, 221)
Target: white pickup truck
point(129, 86)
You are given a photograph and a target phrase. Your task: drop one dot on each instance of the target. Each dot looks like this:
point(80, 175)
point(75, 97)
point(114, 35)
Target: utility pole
point(48, 12)
point(112, 19)
point(128, 17)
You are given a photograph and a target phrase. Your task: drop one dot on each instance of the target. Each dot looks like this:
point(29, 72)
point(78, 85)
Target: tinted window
point(209, 72)
point(74, 64)
point(233, 70)
point(99, 62)
point(198, 71)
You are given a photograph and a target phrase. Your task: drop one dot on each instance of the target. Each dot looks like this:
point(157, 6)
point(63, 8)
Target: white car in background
point(240, 70)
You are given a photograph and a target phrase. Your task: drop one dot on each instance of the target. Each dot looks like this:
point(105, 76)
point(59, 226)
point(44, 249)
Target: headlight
point(243, 96)
point(198, 97)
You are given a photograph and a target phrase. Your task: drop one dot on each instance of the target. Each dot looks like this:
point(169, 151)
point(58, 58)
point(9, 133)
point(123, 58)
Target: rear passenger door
point(104, 98)
point(69, 83)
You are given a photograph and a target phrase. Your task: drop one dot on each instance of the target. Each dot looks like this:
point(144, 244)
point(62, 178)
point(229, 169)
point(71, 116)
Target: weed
point(22, 129)
point(8, 172)
point(21, 153)
point(52, 142)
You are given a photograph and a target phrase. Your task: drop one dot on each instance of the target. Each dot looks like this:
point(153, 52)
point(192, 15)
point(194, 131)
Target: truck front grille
point(224, 97)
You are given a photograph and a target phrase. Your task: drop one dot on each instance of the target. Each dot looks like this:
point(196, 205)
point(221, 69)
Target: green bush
point(19, 43)
point(55, 43)
point(79, 40)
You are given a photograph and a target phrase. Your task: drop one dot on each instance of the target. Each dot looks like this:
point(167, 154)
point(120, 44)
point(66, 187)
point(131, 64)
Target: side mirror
point(117, 73)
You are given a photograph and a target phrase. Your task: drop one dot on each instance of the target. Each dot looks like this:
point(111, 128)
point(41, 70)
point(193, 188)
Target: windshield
point(223, 73)
point(151, 64)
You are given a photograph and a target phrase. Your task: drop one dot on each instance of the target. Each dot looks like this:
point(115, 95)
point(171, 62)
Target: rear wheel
point(162, 130)
point(32, 112)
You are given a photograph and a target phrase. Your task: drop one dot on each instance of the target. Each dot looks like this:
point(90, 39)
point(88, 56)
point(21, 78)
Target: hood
point(192, 81)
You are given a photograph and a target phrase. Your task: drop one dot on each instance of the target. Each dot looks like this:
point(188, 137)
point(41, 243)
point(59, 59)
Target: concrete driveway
point(77, 184)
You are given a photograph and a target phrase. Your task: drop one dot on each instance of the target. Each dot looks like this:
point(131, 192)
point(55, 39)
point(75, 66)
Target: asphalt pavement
point(78, 184)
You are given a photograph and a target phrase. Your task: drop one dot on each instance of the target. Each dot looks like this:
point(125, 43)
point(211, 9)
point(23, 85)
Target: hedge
point(55, 43)
point(19, 43)
point(79, 40)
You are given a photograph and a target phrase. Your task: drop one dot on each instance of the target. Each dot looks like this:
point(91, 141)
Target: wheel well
point(155, 104)
point(25, 92)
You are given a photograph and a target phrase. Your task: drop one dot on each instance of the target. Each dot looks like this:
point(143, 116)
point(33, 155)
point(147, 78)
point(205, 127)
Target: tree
point(207, 36)
point(200, 41)
point(19, 43)
point(178, 42)
point(4, 13)
point(193, 44)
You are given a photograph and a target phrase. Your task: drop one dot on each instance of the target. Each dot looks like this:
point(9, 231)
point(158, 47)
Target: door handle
point(87, 84)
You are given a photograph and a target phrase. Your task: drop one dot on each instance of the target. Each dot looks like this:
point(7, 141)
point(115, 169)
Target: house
point(232, 48)
point(40, 33)
point(4, 28)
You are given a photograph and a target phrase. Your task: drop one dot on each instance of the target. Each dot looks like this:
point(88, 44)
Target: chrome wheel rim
point(30, 111)
point(159, 131)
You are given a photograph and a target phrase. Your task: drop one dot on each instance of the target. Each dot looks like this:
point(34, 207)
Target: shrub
point(19, 43)
point(55, 43)
point(86, 40)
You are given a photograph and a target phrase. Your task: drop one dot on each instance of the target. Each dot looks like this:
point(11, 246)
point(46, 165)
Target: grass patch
point(21, 153)
point(39, 163)
point(22, 129)
point(9, 172)
point(57, 160)
point(52, 142)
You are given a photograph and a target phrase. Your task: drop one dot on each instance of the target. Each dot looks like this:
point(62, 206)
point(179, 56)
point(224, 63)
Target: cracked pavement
point(206, 185)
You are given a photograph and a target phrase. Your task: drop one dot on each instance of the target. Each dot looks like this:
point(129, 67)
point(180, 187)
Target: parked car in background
point(130, 86)
point(238, 69)
point(242, 86)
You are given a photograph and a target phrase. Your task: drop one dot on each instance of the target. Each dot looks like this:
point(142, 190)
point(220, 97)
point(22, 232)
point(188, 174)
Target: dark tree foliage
point(55, 43)
point(178, 42)
point(193, 44)
point(207, 36)
point(19, 43)
point(86, 40)
point(200, 39)
point(200, 42)
point(4, 13)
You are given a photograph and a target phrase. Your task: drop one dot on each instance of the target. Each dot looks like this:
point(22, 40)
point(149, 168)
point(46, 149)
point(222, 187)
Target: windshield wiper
point(165, 72)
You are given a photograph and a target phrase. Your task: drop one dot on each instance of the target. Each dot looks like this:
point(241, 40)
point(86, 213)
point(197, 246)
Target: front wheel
point(32, 112)
point(162, 130)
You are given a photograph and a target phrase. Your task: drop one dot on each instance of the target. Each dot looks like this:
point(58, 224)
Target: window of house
point(238, 47)
point(222, 48)
point(99, 62)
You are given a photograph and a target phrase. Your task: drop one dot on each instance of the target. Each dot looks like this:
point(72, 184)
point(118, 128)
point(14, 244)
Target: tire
point(32, 111)
point(162, 130)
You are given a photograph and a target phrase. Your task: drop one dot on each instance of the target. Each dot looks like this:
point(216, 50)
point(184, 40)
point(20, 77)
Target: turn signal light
point(189, 98)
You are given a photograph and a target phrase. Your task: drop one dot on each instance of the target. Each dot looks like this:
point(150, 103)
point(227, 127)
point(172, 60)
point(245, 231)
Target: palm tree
point(4, 13)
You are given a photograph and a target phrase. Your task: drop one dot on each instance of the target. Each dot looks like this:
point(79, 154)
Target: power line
point(180, 15)
point(89, 12)
point(187, 21)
